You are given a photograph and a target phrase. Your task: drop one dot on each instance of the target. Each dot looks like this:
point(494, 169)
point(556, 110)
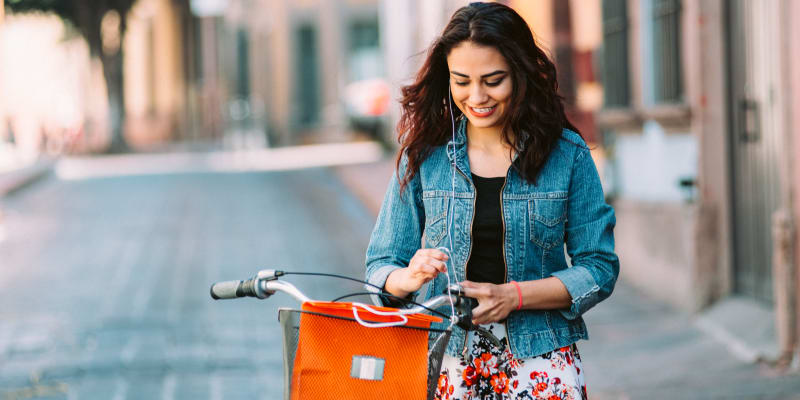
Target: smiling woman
point(483, 96)
point(490, 166)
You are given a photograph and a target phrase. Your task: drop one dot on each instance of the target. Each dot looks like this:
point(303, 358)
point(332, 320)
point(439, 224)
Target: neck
point(486, 139)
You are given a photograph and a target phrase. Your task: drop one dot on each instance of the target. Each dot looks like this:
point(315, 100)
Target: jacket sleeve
point(397, 234)
point(589, 238)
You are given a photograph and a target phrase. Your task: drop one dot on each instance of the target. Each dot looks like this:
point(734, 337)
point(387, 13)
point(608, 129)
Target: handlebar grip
point(226, 290)
point(233, 289)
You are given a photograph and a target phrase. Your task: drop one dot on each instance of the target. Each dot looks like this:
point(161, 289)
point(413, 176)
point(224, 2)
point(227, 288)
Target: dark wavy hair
point(535, 117)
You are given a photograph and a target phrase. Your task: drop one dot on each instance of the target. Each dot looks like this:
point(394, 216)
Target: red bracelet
point(519, 294)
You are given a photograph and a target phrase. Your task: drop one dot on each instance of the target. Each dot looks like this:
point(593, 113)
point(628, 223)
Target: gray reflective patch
point(368, 368)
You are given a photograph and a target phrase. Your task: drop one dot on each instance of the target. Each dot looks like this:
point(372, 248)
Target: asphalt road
point(104, 291)
point(104, 281)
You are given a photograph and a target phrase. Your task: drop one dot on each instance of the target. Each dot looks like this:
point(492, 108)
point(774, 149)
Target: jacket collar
point(458, 146)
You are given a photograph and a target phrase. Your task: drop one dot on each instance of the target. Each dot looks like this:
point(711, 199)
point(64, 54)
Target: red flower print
point(564, 349)
point(483, 364)
point(444, 389)
point(515, 384)
point(554, 397)
point(556, 381)
point(500, 383)
point(469, 375)
point(541, 386)
point(534, 374)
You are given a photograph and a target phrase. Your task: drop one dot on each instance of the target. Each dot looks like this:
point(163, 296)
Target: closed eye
point(495, 82)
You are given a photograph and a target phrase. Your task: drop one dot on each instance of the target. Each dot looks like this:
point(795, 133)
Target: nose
point(477, 94)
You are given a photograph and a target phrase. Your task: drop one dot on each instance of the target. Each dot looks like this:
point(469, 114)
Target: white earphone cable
point(449, 222)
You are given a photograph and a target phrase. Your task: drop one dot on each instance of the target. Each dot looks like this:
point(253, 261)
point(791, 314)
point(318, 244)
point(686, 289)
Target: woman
point(504, 182)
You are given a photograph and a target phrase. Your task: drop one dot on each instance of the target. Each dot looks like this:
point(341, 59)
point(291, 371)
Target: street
point(105, 281)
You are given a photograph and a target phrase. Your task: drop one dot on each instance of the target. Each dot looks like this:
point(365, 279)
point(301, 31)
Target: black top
point(486, 262)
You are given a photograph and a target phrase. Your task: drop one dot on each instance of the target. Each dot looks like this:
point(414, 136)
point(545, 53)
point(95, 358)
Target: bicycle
point(330, 346)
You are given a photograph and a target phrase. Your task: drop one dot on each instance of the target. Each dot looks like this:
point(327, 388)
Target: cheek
point(502, 94)
point(459, 97)
point(459, 93)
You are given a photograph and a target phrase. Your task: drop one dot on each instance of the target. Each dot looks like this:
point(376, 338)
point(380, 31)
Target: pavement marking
point(179, 281)
point(6, 335)
point(271, 159)
point(215, 387)
point(121, 389)
point(129, 351)
point(735, 346)
point(122, 275)
point(168, 390)
point(147, 279)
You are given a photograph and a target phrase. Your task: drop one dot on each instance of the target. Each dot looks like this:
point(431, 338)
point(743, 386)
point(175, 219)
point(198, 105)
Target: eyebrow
point(499, 71)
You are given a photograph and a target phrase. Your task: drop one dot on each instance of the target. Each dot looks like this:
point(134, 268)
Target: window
point(668, 86)
point(615, 54)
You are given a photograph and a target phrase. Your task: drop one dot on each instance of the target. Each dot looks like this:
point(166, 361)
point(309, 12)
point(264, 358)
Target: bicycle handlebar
point(265, 284)
point(233, 289)
point(253, 287)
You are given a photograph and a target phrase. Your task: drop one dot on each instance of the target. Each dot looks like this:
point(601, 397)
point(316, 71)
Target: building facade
point(698, 112)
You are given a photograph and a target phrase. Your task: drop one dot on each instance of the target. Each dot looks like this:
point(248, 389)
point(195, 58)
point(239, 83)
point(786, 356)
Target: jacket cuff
point(378, 278)
point(581, 287)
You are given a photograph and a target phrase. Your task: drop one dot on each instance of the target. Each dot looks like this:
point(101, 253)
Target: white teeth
point(482, 110)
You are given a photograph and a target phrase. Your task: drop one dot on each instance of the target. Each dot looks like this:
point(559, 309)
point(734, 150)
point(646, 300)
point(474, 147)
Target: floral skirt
point(486, 372)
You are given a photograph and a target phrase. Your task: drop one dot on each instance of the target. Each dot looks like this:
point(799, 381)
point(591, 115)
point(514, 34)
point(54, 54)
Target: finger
point(437, 254)
point(478, 314)
point(470, 291)
point(440, 266)
point(429, 270)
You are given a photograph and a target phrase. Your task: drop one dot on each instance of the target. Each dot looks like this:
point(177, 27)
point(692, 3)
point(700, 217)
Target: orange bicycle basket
point(338, 358)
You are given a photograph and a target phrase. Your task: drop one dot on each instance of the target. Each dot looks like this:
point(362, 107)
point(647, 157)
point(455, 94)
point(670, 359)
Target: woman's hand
point(495, 302)
point(423, 267)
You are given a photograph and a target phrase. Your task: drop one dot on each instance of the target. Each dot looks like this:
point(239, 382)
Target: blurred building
point(699, 117)
point(209, 73)
point(154, 71)
point(287, 65)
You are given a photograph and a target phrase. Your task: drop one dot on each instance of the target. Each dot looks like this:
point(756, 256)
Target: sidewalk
point(639, 348)
point(14, 180)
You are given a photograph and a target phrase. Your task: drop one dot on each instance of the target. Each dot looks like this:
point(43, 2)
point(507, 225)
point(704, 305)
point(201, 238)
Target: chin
point(483, 122)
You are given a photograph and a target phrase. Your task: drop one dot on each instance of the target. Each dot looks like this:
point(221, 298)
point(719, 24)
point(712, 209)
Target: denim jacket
point(566, 206)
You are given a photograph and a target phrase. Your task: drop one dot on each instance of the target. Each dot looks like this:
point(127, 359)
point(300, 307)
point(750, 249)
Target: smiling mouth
point(482, 111)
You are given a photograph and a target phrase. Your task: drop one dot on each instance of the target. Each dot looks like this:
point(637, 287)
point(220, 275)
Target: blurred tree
point(102, 23)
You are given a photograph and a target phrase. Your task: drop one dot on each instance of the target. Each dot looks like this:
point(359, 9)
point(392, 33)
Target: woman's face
point(480, 81)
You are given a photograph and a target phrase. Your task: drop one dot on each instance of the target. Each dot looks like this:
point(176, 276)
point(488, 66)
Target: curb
point(367, 182)
point(13, 181)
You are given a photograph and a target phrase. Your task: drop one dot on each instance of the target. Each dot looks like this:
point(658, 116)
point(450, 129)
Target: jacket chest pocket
point(435, 220)
point(547, 218)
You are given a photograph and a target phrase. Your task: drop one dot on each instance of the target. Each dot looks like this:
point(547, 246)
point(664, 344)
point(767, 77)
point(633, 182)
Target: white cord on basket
point(400, 313)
